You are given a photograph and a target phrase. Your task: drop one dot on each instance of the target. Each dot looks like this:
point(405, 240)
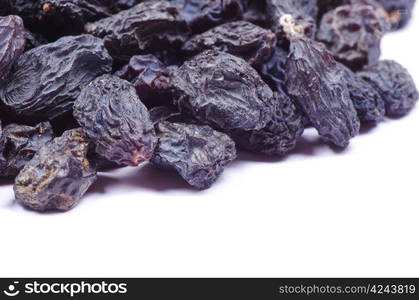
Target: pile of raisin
point(184, 85)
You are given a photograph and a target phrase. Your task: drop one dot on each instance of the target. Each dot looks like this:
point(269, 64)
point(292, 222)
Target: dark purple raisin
point(198, 153)
point(115, 119)
point(256, 13)
point(395, 85)
point(18, 145)
point(12, 42)
point(353, 34)
point(316, 81)
point(45, 81)
point(150, 77)
point(246, 40)
point(58, 175)
point(147, 27)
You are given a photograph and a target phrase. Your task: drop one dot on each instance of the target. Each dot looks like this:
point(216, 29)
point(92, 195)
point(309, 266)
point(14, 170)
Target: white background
point(314, 213)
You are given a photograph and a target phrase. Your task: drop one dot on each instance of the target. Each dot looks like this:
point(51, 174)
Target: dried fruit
point(150, 77)
point(317, 83)
point(400, 11)
point(353, 34)
point(395, 85)
point(45, 81)
point(12, 42)
point(18, 145)
point(246, 40)
point(278, 8)
point(198, 153)
point(279, 136)
point(148, 26)
point(58, 175)
point(273, 71)
point(367, 101)
point(116, 121)
point(223, 91)
point(202, 15)
point(256, 13)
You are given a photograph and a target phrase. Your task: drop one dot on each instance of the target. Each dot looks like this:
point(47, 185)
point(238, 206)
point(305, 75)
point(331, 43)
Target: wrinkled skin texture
point(70, 16)
point(12, 42)
point(367, 101)
point(18, 145)
point(148, 26)
point(45, 81)
point(223, 91)
point(279, 136)
point(395, 85)
point(353, 34)
point(400, 11)
point(202, 15)
point(114, 118)
point(26, 9)
point(150, 77)
point(198, 153)
point(317, 83)
point(246, 40)
point(58, 175)
point(277, 8)
point(273, 71)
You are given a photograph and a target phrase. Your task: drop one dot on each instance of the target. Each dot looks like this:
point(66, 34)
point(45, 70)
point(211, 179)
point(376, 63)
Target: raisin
point(251, 42)
point(150, 77)
point(116, 121)
point(273, 71)
point(70, 16)
point(26, 9)
point(18, 145)
point(202, 15)
point(58, 175)
point(317, 83)
point(279, 136)
point(256, 13)
point(400, 11)
point(278, 8)
point(367, 101)
point(198, 153)
point(45, 81)
point(309, 7)
point(148, 26)
point(223, 91)
point(12, 42)
point(34, 40)
point(353, 34)
point(395, 85)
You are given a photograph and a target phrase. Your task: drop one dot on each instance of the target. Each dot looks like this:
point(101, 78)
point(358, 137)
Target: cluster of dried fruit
point(88, 84)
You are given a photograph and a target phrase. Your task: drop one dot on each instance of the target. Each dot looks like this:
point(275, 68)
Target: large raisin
point(317, 83)
point(12, 42)
point(150, 77)
point(273, 71)
point(279, 136)
point(202, 15)
point(45, 81)
point(353, 34)
point(395, 85)
point(367, 101)
point(198, 153)
point(148, 26)
point(26, 9)
point(400, 11)
point(116, 120)
point(223, 91)
point(19, 143)
point(58, 175)
point(278, 8)
point(251, 42)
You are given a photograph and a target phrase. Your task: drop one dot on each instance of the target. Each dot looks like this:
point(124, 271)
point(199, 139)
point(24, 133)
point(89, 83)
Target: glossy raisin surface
point(150, 77)
point(198, 153)
point(12, 42)
point(246, 40)
point(46, 80)
point(395, 85)
point(116, 121)
point(58, 175)
point(148, 26)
